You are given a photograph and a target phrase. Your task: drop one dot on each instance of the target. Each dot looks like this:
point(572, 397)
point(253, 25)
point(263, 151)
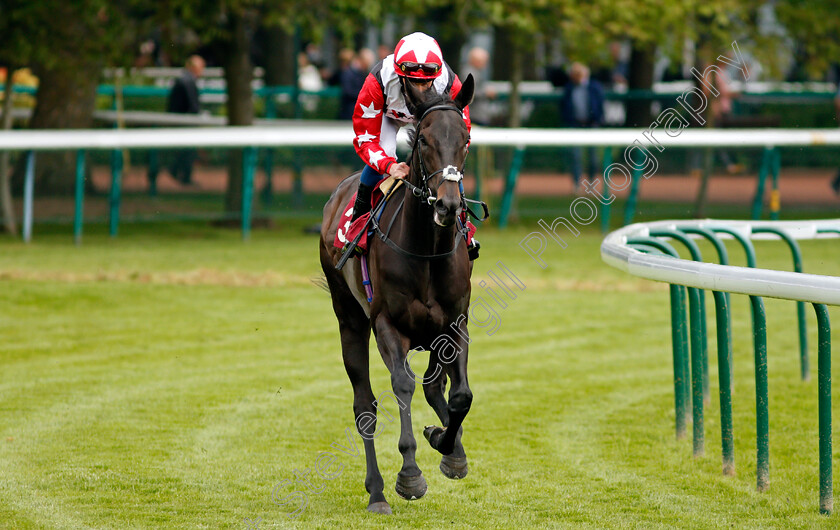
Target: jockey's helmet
point(418, 56)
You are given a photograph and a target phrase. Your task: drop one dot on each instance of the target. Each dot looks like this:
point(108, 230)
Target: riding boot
point(362, 204)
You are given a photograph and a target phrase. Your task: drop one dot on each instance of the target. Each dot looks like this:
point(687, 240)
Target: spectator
point(719, 115)
point(366, 60)
point(309, 80)
point(480, 109)
point(351, 77)
point(835, 184)
point(614, 75)
point(183, 99)
point(309, 77)
point(582, 106)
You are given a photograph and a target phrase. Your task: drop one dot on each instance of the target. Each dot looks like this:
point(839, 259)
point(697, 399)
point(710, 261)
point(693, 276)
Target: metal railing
point(340, 134)
point(640, 250)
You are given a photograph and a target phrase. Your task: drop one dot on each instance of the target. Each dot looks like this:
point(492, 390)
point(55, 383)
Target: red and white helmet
point(418, 56)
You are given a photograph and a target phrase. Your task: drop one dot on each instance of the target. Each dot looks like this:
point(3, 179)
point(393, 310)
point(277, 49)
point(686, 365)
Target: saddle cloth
point(347, 231)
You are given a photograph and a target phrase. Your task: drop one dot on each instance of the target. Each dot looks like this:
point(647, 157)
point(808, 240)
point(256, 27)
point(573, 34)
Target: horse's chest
point(427, 315)
point(431, 314)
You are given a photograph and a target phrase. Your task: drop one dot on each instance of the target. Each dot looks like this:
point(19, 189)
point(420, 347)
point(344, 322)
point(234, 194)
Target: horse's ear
point(465, 95)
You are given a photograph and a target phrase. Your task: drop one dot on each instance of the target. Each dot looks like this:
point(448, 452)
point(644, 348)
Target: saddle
point(346, 231)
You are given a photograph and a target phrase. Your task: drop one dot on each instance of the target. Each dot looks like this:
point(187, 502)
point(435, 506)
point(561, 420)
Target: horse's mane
point(432, 99)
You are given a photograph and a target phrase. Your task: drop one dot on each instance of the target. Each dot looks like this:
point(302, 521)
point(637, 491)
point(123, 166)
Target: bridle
point(450, 172)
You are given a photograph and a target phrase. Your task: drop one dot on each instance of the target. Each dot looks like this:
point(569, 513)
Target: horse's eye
point(422, 140)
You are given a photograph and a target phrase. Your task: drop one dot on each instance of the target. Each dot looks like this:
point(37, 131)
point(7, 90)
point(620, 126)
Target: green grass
point(172, 376)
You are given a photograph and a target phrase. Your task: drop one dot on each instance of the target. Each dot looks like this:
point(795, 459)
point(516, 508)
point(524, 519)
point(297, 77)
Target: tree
point(228, 28)
point(813, 27)
point(66, 44)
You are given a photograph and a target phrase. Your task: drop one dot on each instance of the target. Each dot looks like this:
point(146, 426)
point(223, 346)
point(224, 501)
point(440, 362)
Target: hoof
point(433, 433)
point(411, 488)
point(380, 507)
point(454, 467)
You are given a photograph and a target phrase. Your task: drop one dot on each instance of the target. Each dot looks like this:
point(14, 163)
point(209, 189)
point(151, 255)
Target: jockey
point(381, 108)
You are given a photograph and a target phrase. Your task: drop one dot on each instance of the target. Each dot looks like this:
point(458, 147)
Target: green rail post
point(606, 206)
point(758, 200)
point(804, 364)
point(633, 197)
point(720, 248)
point(78, 215)
point(297, 170)
point(723, 258)
point(696, 374)
point(267, 192)
point(698, 327)
point(249, 163)
point(746, 244)
point(724, 342)
point(749, 252)
point(297, 179)
point(154, 170)
point(824, 391)
point(679, 338)
point(679, 345)
point(266, 195)
point(775, 194)
point(28, 196)
point(762, 414)
point(510, 185)
point(116, 192)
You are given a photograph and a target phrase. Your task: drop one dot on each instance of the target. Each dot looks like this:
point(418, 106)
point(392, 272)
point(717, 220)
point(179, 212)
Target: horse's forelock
point(432, 99)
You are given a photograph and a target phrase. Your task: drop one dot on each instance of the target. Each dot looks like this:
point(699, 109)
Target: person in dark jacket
point(183, 99)
point(582, 106)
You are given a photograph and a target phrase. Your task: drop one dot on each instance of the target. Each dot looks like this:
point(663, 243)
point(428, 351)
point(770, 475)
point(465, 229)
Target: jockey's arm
point(367, 124)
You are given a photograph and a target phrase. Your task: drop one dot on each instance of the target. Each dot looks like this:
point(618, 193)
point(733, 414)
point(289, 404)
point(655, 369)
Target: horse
point(420, 274)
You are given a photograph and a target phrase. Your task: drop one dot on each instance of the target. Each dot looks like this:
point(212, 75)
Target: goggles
point(409, 67)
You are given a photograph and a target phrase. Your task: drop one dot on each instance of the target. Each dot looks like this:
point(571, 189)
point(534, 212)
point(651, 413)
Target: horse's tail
point(321, 281)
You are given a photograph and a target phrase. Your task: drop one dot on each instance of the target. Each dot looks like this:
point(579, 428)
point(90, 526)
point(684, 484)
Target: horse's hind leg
point(354, 327)
point(355, 352)
point(393, 346)
point(453, 466)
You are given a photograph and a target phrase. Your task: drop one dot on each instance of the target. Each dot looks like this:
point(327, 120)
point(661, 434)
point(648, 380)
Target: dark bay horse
point(420, 274)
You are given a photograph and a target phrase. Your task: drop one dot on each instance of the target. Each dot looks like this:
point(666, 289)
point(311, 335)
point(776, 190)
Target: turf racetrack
point(174, 376)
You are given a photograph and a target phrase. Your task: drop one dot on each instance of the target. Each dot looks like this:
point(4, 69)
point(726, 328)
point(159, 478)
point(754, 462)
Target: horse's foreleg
point(460, 400)
point(355, 353)
point(393, 346)
point(454, 465)
point(354, 327)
